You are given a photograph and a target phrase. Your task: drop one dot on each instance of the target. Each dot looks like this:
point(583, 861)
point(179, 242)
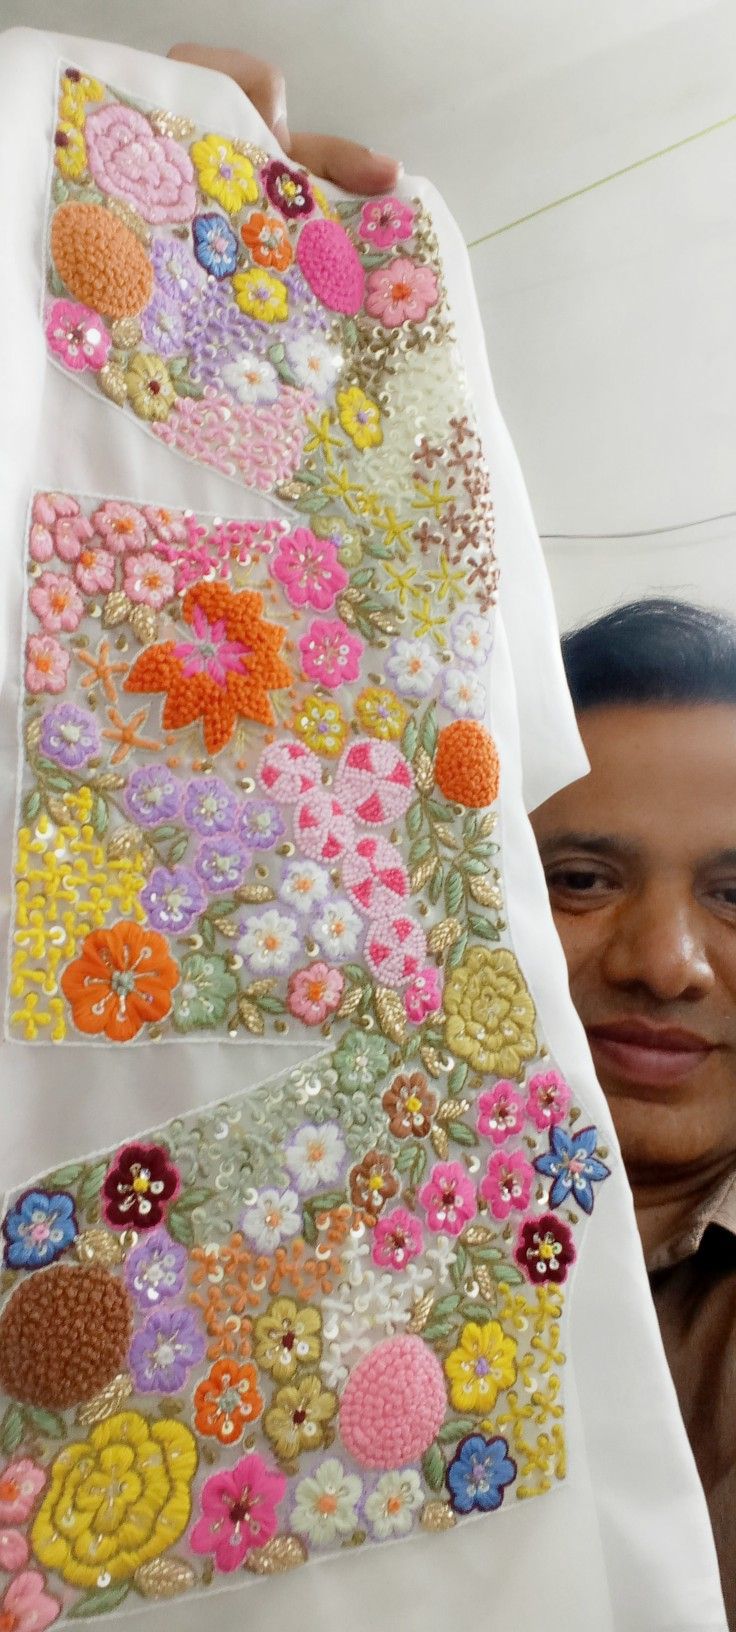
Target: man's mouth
point(639, 1052)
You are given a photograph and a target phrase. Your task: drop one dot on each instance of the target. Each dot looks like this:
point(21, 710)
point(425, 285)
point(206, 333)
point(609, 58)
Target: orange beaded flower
point(227, 668)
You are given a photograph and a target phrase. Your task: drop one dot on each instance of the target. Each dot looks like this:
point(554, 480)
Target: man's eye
point(725, 894)
point(578, 881)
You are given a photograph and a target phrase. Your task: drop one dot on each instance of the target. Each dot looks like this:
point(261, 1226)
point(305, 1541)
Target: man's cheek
point(583, 939)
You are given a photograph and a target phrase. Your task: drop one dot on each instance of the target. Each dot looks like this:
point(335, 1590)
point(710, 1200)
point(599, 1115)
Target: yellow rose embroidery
point(260, 294)
point(223, 173)
point(116, 1500)
point(483, 1363)
point(490, 1014)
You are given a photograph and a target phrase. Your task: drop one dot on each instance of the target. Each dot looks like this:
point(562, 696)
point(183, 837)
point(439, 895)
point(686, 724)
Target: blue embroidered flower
point(215, 244)
point(40, 1226)
point(572, 1164)
point(479, 1473)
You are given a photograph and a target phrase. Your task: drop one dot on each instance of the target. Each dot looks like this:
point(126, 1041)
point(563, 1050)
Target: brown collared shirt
point(693, 1281)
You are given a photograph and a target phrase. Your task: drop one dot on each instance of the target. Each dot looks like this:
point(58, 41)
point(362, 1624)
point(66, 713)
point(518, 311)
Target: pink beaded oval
point(394, 1403)
point(287, 770)
point(331, 266)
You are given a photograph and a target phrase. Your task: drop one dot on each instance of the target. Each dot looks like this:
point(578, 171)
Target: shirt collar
point(718, 1209)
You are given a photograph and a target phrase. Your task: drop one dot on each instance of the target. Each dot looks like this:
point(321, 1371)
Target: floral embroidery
point(479, 1474)
point(224, 174)
point(227, 1401)
point(26, 1606)
point(122, 981)
point(137, 1187)
point(481, 1365)
point(573, 1166)
point(545, 1249)
point(40, 1227)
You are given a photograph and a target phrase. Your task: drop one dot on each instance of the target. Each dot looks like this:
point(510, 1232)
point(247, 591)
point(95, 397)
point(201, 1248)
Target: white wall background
point(611, 321)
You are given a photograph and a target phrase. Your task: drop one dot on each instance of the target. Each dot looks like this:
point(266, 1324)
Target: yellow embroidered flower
point(482, 1364)
point(380, 713)
point(150, 390)
point(490, 1014)
point(360, 417)
point(223, 173)
point(75, 91)
point(116, 1499)
point(261, 294)
point(299, 1418)
point(69, 150)
point(287, 1336)
point(322, 725)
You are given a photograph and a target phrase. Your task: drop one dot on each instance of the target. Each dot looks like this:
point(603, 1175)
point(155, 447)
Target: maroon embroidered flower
point(372, 1184)
point(545, 1248)
point(410, 1104)
point(138, 1186)
point(288, 190)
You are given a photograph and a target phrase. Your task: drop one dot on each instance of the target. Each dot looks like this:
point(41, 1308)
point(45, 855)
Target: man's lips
point(656, 1056)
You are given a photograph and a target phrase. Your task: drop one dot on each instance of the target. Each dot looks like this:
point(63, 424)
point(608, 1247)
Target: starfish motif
point(100, 669)
point(400, 581)
point(448, 582)
point(126, 734)
point(394, 530)
point(322, 438)
point(426, 622)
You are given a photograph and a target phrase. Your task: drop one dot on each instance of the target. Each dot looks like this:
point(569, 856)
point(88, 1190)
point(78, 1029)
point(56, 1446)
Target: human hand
point(357, 169)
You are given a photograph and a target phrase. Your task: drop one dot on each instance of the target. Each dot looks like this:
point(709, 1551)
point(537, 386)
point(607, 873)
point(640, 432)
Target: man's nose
point(658, 942)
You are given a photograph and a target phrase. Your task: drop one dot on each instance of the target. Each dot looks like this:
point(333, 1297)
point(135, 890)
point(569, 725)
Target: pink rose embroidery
point(148, 580)
point(309, 569)
point(56, 602)
point(507, 1185)
point(152, 173)
point(549, 1099)
point(26, 1607)
point(77, 335)
point(401, 292)
point(501, 1112)
point(314, 993)
point(448, 1198)
point(385, 221)
point(330, 653)
point(47, 664)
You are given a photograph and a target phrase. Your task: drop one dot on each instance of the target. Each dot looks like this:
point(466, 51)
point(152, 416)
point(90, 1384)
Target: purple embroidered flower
point(152, 795)
point(69, 736)
point(175, 270)
point(162, 324)
point(173, 898)
point(164, 1351)
point(154, 1271)
point(222, 863)
point(218, 333)
point(210, 806)
point(261, 824)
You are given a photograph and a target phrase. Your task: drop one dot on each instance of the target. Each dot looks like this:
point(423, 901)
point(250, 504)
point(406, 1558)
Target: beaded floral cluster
point(324, 1313)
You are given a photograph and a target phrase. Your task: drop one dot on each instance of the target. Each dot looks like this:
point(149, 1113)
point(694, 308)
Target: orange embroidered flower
point(227, 1401)
point(227, 668)
point(122, 981)
point(466, 767)
point(267, 240)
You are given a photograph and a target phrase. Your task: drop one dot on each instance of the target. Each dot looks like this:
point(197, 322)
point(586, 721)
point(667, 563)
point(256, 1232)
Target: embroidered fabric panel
point(326, 1313)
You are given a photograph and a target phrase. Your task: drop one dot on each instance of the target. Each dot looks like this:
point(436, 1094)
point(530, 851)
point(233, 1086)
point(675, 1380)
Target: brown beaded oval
point(64, 1335)
point(100, 260)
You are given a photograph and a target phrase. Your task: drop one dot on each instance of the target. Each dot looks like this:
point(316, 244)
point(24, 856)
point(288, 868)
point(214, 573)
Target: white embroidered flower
point(412, 666)
point(471, 638)
point(391, 1506)
point(356, 1317)
point(326, 1503)
point(337, 928)
point(252, 378)
point(304, 885)
point(441, 1256)
point(314, 364)
point(269, 941)
point(272, 1219)
point(464, 694)
point(315, 1156)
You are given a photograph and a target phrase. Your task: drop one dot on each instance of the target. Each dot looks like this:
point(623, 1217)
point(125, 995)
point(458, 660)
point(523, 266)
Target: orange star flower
point(125, 734)
point(100, 668)
point(226, 669)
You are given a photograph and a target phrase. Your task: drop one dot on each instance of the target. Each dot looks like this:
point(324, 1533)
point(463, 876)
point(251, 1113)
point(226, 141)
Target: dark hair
point(652, 651)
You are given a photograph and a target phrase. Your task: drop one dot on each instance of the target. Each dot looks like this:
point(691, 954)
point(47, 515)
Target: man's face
point(640, 860)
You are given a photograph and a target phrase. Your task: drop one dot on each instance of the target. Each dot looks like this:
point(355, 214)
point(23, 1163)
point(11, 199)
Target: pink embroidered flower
point(26, 1607)
point(448, 1198)
point(121, 526)
point(330, 653)
point(13, 1551)
point(401, 292)
point(314, 993)
point(397, 1238)
point(95, 571)
point(56, 602)
point(20, 1483)
point(309, 569)
point(424, 996)
point(238, 1511)
point(385, 221)
point(148, 580)
point(507, 1185)
point(57, 525)
point(549, 1099)
point(501, 1112)
point(77, 335)
point(171, 526)
point(47, 664)
point(152, 173)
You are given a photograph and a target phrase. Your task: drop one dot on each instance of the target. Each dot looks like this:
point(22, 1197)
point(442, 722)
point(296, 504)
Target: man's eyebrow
point(595, 844)
point(720, 858)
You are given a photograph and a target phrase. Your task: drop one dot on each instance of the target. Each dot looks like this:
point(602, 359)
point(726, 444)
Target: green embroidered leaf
point(350, 327)
point(179, 1221)
point(99, 1603)
point(461, 1134)
point(428, 731)
point(46, 1422)
point(374, 258)
point(64, 1177)
point(441, 811)
point(12, 1429)
point(177, 849)
point(361, 579)
point(161, 835)
point(277, 353)
point(313, 502)
point(177, 366)
point(419, 849)
point(473, 1309)
point(99, 816)
point(207, 932)
point(484, 928)
point(225, 906)
point(269, 1004)
point(31, 805)
point(418, 1166)
point(446, 1306)
point(414, 819)
point(89, 1189)
point(457, 1078)
point(410, 738)
point(487, 1255)
point(405, 1156)
point(474, 867)
point(59, 783)
point(433, 1467)
point(436, 1331)
point(436, 885)
point(454, 891)
point(460, 1266)
point(457, 952)
point(56, 285)
point(187, 388)
point(451, 1432)
point(309, 1228)
point(508, 1273)
point(325, 1202)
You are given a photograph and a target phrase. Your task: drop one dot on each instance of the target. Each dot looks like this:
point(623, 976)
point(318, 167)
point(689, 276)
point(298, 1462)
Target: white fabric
point(624, 1545)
